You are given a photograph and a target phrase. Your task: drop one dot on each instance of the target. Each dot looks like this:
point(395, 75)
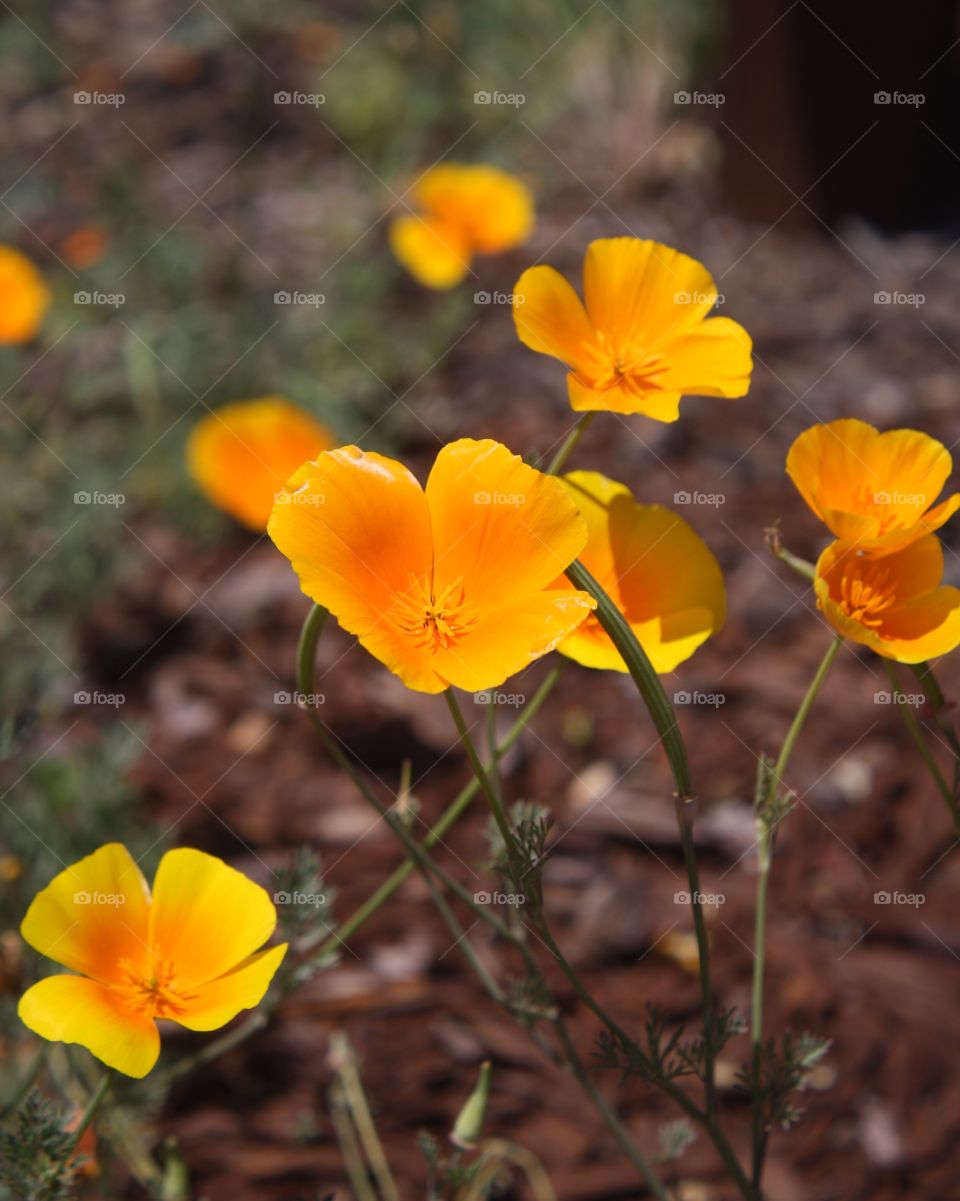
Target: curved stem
point(568, 444)
point(916, 734)
point(768, 816)
point(96, 1098)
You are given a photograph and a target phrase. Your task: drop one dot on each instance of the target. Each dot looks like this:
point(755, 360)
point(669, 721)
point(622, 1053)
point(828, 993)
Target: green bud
point(469, 1124)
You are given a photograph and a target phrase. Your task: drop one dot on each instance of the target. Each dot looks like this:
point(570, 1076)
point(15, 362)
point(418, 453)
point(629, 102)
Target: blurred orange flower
point(188, 954)
point(464, 210)
point(896, 604)
point(241, 455)
point(24, 297)
point(85, 246)
point(656, 570)
point(870, 489)
point(641, 338)
point(452, 584)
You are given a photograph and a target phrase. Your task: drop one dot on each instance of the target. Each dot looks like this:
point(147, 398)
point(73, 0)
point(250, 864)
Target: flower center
point(434, 621)
point(864, 600)
point(629, 367)
point(152, 991)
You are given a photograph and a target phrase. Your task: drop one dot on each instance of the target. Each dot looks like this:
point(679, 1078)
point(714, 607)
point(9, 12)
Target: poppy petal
point(206, 917)
point(502, 529)
point(357, 530)
point(242, 454)
point(639, 291)
point(551, 319)
point(219, 1001)
point(93, 915)
point(72, 1009)
point(511, 637)
point(492, 209)
point(648, 402)
point(434, 252)
point(713, 359)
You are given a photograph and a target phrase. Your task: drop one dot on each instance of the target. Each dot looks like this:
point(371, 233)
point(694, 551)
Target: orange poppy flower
point(896, 604)
point(657, 571)
point(188, 954)
point(24, 297)
point(641, 338)
point(463, 211)
point(448, 585)
point(242, 454)
point(870, 489)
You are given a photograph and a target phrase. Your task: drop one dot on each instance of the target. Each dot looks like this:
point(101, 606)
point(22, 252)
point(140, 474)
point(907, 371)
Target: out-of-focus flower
point(24, 297)
point(241, 455)
point(463, 211)
point(641, 338)
point(85, 246)
point(189, 953)
point(870, 489)
point(896, 604)
point(452, 584)
point(657, 571)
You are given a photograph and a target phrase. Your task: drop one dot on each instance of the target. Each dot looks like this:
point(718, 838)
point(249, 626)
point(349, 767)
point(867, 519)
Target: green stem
point(96, 1097)
point(306, 655)
point(29, 1080)
point(800, 566)
point(569, 443)
point(356, 1100)
point(486, 787)
point(915, 731)
point(767, 805)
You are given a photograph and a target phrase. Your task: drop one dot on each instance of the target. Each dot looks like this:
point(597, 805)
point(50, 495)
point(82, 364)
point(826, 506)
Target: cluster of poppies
point(462, 582)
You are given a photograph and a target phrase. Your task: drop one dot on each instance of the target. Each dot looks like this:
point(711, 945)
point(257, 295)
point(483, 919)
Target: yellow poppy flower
point(656, 570)
point(450, 584)
point(870, 489)
point(24, 297)
point(188, 954)
point(641, 338)
point(242, 454)
point(896, 604)
point(464, 210)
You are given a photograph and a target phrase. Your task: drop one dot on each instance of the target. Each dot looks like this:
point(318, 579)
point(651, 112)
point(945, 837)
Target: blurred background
point(176, 170)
